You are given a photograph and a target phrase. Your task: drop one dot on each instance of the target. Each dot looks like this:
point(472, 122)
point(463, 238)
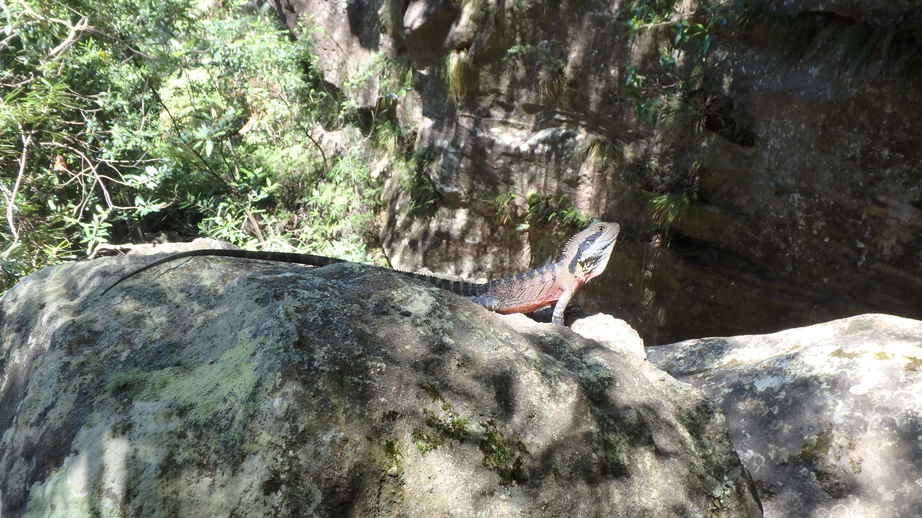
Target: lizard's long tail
point(467, 289)
point(306, 259)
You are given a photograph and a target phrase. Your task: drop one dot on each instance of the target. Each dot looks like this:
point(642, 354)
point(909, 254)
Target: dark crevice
point(708, 255)
point(718, 115)
point(853, 46)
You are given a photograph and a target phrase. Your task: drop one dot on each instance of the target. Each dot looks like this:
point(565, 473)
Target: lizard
point(583, 258)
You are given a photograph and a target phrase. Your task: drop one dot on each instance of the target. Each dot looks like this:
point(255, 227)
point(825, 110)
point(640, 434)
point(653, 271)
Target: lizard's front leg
point(561, 307)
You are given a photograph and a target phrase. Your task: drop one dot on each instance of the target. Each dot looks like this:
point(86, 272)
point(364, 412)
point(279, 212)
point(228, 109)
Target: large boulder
point(219, 387)
point(827, 418)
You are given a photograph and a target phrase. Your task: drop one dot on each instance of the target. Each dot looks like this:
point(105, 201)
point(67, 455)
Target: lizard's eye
point(588, 263)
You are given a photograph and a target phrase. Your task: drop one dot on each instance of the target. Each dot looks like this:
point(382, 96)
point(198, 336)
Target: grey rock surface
point(425, 26)
point(827, 418)
point(614, 333)
point(346, 40)
point(218, 387)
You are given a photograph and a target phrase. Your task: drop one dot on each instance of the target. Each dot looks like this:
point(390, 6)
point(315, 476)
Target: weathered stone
point(827, 418)
point(611, 332)
point(880, 12)
point(346, 40)
point(425, 25)
point(217, 387)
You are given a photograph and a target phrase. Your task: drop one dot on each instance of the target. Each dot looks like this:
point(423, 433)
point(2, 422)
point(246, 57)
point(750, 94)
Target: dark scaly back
point(463, 288)
point(524, 286)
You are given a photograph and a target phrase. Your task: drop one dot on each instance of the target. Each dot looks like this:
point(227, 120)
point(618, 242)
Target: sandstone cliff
point(762, 157)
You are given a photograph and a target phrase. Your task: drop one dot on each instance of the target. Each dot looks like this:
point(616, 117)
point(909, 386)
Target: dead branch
point(75, 29)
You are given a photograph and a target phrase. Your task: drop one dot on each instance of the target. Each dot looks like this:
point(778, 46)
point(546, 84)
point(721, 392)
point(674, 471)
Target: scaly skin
point(583, 258)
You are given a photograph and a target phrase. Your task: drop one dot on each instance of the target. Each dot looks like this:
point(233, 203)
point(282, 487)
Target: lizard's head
point(586, 254)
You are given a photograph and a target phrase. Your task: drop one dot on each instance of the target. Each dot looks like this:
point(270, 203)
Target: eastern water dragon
point(584, 257)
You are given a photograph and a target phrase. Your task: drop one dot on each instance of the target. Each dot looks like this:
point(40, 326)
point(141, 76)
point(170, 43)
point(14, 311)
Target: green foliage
point(669, 91)
point(124, 115)
point(600, 153)
point(395, 77)
point(386, 136)
point(555, 211)
point(666, 209)
point(507, 212)
point(415, 179)
point(550, 221)
point(658, 90)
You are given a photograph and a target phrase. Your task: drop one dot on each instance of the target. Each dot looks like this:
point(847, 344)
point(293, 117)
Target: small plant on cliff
point(393, 77)
point(666, 209)
point(544, 209)
point(599, 153)
point(460, 74)
point(507, 212)
point(551, 84)
point(658, 89)
point(414, 176)
point(551, 220)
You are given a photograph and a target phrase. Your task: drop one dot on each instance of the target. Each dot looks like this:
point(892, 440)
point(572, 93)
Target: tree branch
point(10, 194)
point(75, 29)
